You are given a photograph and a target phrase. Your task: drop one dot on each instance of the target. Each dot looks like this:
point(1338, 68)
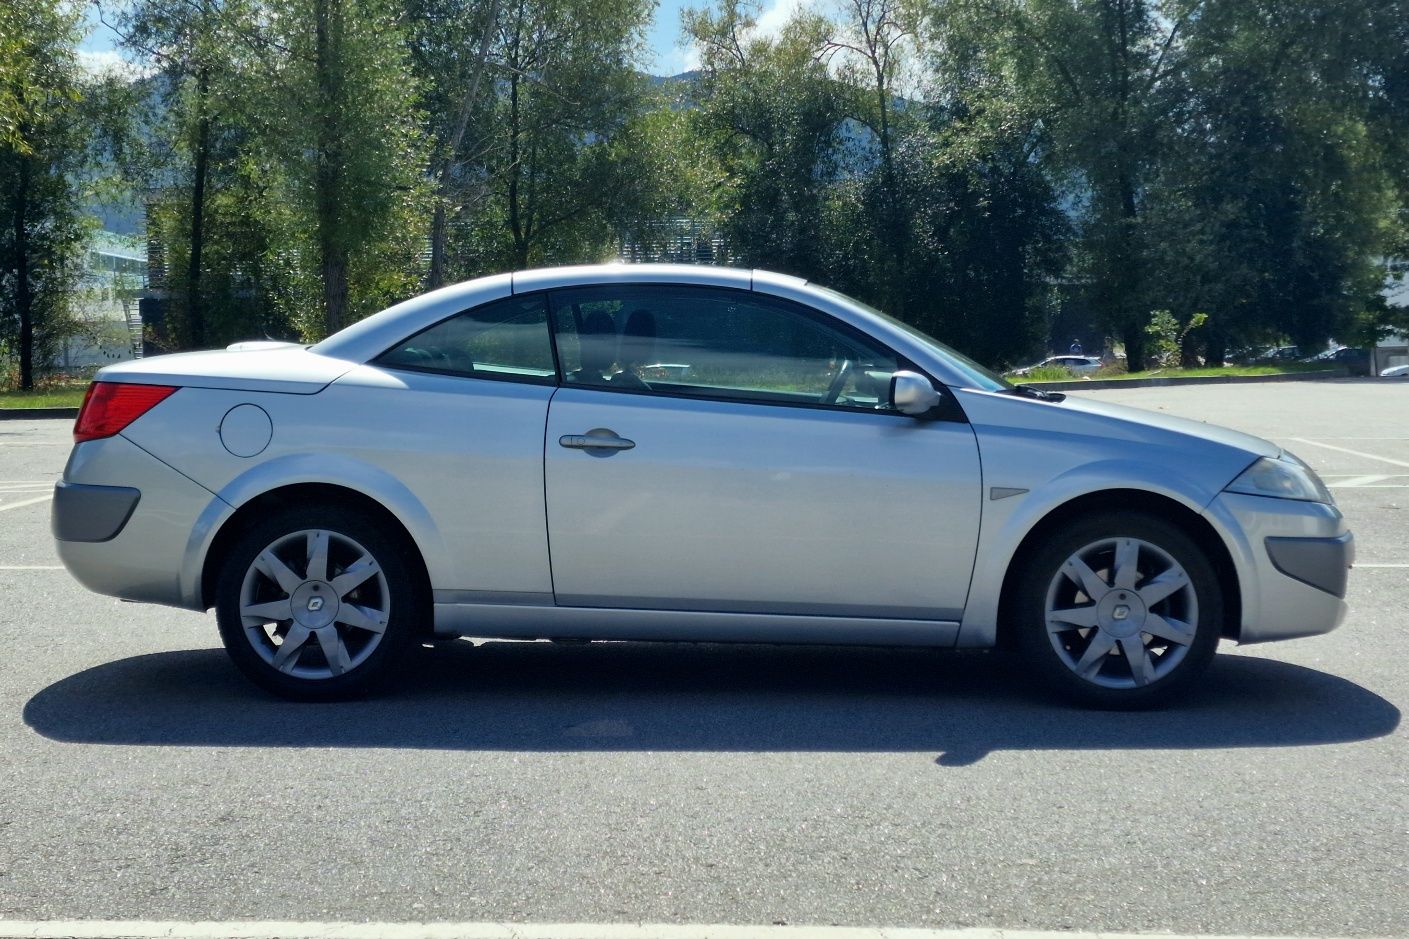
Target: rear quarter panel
point(458, 461)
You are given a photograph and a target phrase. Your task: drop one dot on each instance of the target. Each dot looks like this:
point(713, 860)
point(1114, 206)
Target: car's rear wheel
point(1119, 611)
point(317, 603)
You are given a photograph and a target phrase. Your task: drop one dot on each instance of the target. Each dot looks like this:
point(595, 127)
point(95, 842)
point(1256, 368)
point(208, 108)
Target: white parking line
point(1359, 453)
point(19, 505)
point(96, 929)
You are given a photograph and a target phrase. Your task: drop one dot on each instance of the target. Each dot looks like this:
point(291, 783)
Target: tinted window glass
point(979, 376)
point(506, 339)
point(715, 343)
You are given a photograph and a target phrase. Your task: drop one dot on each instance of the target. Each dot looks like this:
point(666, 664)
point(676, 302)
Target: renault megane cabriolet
point(509, 458)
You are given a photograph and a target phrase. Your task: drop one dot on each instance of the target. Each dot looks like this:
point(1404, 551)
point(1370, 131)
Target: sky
point(666, 54)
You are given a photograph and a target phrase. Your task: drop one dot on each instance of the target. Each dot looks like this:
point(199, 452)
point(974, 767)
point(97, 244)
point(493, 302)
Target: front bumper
point(1292, 560)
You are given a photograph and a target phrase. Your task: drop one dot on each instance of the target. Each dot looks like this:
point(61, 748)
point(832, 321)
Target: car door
point(718, 450)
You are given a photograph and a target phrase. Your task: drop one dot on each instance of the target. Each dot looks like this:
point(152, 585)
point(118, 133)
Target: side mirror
point(911, 393)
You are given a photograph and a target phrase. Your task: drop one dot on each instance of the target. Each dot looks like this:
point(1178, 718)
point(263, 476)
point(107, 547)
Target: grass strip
point(49, 398)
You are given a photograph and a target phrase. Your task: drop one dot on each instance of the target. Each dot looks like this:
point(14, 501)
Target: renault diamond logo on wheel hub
point(316, 604)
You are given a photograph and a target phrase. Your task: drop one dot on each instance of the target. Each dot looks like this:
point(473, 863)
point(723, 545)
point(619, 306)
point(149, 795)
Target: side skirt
point(512, 621)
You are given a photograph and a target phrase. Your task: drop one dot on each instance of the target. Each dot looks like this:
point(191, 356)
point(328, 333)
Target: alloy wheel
point(314, 604)
point(1121, 613)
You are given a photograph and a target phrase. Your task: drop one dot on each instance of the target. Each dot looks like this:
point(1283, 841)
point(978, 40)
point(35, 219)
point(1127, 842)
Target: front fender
point(302, 468)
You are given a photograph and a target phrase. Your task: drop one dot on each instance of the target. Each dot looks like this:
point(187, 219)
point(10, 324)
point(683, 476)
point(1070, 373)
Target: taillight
point(109, 406)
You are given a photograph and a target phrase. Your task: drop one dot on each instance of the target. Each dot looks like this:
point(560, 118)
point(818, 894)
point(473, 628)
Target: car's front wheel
point(1118, 611)
point(317, 603)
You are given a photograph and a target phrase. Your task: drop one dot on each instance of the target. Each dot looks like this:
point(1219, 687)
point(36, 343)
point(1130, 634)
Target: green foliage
point(770, 116)
point(553, 177)
point(43, 147)
point(1162, 339)
point(959, 163)
point(1222, 155)
point(337, 116)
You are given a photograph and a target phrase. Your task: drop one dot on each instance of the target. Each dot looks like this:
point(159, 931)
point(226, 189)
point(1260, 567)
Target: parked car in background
point(1076, 364)
point(1276, 355)
point(793, 467)
point(1396, 371)
point(1356, 361)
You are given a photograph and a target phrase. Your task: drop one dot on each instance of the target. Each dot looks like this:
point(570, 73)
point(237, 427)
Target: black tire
point(1169, 669)
point(394, 594)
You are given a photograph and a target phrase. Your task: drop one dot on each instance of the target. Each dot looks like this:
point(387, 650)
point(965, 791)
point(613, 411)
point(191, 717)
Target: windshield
point(978, 375)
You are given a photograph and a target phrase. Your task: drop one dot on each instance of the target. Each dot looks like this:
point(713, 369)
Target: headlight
point(1283, 477)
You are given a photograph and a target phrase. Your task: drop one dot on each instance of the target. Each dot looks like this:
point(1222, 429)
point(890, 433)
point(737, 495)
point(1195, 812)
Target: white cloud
point(109, 62)
point(772, 20)
point(682, 59)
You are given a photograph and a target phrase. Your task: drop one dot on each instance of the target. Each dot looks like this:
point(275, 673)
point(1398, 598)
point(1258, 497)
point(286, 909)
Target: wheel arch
point(304, 494)
point(1125, 501)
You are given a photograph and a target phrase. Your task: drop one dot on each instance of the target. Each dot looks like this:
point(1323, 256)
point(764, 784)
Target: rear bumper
point(1293, 560)
point(124, 523)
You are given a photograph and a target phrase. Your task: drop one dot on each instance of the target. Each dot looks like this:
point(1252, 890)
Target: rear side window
point(506, 340)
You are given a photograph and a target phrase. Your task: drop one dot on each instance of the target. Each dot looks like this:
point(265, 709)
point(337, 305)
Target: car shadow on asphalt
point(674, 697)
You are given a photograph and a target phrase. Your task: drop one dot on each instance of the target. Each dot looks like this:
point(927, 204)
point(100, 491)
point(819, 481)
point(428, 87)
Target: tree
point(191, 45)
point(871, 47)
point(1102, 74)
point(773, 118)
point(1273, 204)
point(451, 43)
point(565, 92)
point(333, 110)
point(40, 212)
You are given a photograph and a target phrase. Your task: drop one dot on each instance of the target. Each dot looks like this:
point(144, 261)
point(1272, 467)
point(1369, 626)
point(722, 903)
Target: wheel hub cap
point(1120, 613)
point(315, 604)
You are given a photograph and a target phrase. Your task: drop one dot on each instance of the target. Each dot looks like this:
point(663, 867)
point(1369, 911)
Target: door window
point(505, 339)
point(714, 343)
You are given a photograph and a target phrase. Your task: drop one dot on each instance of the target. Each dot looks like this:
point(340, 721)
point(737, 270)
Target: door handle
point(598, 438)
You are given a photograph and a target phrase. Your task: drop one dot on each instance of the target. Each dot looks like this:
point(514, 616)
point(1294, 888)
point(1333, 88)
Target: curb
point(37, 414)
point(99, 929)
point(1103, 383)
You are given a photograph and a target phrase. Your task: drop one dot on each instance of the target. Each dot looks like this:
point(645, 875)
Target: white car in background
point(680, 453)
point(1078, 365)
point(1396, 371)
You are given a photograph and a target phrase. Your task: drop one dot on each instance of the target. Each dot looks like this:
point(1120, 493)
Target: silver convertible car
point(680, 453)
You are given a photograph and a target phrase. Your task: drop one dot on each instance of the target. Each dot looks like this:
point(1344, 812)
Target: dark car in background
point(1357, 361)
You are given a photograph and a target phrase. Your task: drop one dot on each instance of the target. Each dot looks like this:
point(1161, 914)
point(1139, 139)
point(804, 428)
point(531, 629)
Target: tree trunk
point(436, 275)
point(327, 180)
point(1216, 352)
point(195, 306)
point(1134, 348)
point(890, 209)
point(24, 298)
point(516, 222)
point(334, 269)
point(1128, 276)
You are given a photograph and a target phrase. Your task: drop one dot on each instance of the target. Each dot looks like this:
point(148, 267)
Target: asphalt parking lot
point(143, 779)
